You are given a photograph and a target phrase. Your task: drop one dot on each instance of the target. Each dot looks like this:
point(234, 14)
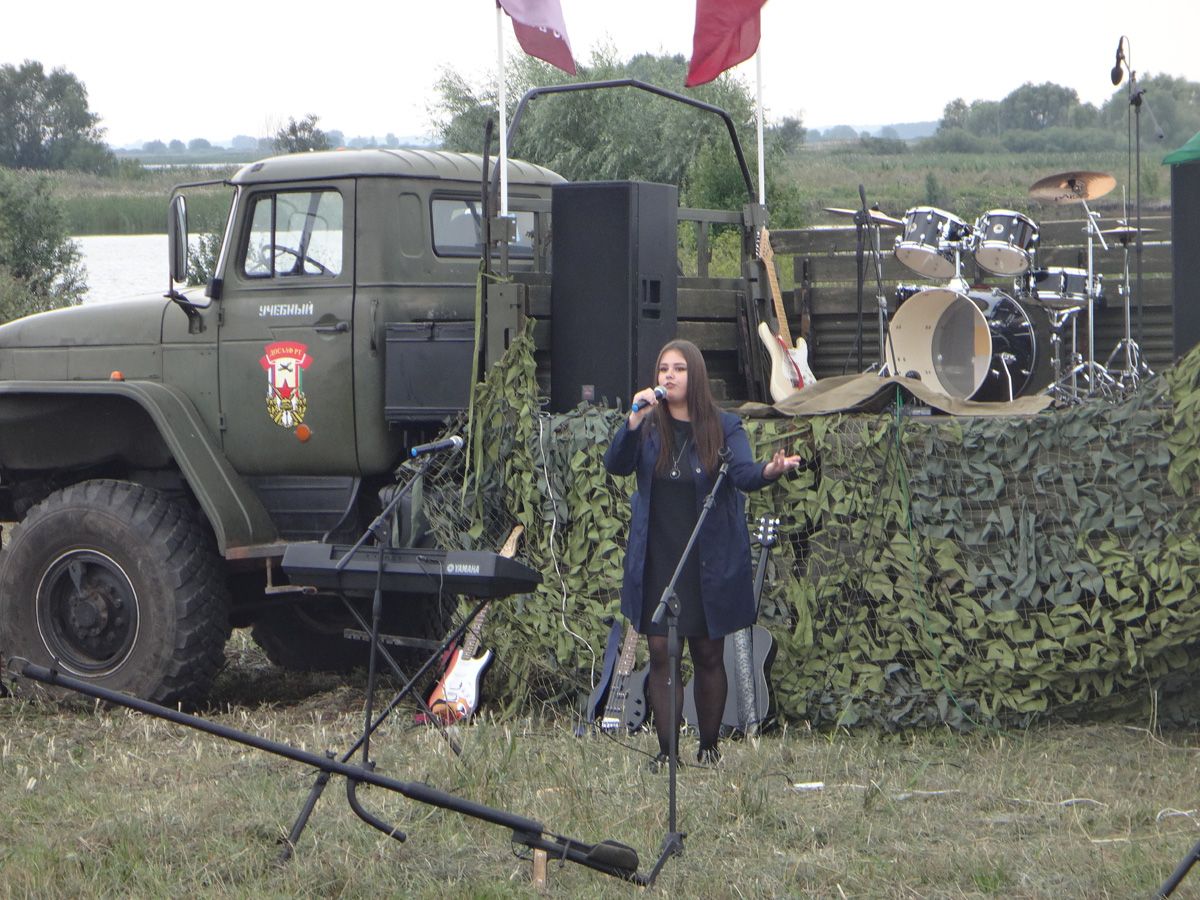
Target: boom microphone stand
point(1137, 97)
point(668, 605)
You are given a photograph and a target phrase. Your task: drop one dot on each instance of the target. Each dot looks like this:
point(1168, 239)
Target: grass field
point(966, 184)
point(102, 802)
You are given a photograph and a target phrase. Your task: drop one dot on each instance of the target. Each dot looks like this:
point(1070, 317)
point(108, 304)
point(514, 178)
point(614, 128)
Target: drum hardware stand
point(1095, 372)
point(1005, 360)
point(1135, 364)
point(863, 220)
point(1059, 388)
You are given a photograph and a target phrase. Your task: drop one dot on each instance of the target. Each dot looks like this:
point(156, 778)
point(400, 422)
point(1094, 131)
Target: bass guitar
point(789, 365)
point(748, 655)
point(625, 707)
point(456, 696)
point(594, 705)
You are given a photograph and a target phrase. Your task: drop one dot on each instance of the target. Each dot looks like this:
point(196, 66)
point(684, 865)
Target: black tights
point(710, 689)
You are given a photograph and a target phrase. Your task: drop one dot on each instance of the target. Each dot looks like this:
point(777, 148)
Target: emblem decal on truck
point(284, 363)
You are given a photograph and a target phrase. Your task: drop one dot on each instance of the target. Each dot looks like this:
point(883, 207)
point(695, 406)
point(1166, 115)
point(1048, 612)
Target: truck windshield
point(458, 229)
point(294, 233)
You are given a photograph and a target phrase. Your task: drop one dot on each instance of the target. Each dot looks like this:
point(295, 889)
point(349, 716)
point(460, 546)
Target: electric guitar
point(456, 695)
point(748, 655)
point(594, 705)
point(625, 707)
point(789, 366)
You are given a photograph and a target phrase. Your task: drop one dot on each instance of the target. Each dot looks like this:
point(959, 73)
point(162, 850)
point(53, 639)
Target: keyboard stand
point(379, 528)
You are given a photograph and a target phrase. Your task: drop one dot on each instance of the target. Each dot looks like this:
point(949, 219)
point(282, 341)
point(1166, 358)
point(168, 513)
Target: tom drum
point(1005, 242)
point(928, 242)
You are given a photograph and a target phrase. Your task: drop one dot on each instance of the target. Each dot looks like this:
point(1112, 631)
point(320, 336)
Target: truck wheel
point(115, 584)
point(308, 636)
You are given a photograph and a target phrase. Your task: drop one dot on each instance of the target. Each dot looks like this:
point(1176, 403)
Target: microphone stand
point(668, 606)
point(1137, 97)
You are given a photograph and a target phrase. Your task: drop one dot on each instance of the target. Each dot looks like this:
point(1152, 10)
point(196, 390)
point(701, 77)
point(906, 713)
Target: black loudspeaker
point(1185, 254)
point(613, 290)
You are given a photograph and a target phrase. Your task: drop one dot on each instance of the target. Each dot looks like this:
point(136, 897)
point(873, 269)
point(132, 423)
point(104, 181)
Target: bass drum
point(972, 346)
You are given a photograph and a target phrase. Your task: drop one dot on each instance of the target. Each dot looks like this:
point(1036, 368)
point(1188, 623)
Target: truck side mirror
point(177, 238)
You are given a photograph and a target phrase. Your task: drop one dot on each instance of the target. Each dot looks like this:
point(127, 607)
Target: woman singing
point(675, 447)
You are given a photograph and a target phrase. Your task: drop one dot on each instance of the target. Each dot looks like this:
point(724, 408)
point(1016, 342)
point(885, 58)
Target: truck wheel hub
point(87, 612)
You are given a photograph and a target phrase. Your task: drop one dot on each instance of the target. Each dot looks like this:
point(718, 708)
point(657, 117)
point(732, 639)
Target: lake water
point(120, 266)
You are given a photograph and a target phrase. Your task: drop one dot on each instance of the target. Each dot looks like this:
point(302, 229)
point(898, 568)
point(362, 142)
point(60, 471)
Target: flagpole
point(762, 163)
point(502, 98)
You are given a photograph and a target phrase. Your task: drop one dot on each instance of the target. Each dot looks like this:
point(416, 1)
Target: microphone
point(660, 393)
point(450, 443)
point(1116, 73)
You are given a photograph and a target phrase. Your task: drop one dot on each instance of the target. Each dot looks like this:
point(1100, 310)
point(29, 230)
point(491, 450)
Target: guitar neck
point(474, 635)
point(767, 255)
point(767, 529)
point(625, 661)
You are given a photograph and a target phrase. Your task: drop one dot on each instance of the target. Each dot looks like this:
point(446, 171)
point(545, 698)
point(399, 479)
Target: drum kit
point(980, 342)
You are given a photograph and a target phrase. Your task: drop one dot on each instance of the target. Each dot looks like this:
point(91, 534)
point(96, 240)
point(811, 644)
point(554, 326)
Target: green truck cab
point(159, 454)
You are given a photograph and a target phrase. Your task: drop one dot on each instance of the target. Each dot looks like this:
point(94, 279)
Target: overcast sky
point(218, 68)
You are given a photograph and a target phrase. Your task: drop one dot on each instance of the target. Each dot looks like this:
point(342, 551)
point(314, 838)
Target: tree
point(622, 133)
point(244, 142)
point(39, 263)
point(199, 144)
point(785, 138)
point(176, 146)
point(300, 137)
point(45, 122)
point(154, 147)
point(1033, 107)
point(954, 115)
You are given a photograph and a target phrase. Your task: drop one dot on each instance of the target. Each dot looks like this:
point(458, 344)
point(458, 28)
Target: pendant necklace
point(679, 456)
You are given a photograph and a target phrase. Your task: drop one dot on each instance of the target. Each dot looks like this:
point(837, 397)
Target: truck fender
point(237, 516)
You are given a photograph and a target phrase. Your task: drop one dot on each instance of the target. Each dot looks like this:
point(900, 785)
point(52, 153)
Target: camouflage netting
point(932, 569)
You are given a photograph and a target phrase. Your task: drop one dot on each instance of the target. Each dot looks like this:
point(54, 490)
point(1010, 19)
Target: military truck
point(160, 454)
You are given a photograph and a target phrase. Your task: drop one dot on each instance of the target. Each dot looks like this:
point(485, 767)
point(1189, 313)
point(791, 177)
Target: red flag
point(727, 33)
point(541, 30)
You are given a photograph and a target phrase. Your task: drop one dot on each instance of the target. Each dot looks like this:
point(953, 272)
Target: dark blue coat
point(723, 545)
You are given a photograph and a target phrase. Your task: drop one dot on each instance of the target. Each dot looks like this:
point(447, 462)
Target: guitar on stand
point(594, 705)
point(625, 707)
point(456, 696)
point(749, 653)
point(789, 365)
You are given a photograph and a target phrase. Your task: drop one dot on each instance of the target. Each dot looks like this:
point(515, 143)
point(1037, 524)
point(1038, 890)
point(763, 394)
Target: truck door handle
point(336, 328)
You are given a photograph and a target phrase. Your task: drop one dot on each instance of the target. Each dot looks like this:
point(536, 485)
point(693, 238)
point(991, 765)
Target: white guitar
point(456, 695)
point(789, 365)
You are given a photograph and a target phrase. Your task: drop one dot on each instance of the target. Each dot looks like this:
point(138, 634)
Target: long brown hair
point(702, 410)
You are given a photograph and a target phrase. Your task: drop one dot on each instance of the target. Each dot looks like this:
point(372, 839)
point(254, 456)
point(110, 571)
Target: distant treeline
point(1042, 118)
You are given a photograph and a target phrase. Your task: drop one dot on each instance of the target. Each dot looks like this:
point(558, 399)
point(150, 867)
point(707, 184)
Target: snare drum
point(1005, 242)
point(925, 245)
point(972, 346)
point(1062, 288)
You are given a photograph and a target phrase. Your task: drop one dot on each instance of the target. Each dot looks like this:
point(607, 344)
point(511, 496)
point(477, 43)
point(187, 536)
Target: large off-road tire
point(307, 636)
point(117, 585)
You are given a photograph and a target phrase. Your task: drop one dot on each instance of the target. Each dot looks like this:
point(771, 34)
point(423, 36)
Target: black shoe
point(659, 763)
point(708, 756)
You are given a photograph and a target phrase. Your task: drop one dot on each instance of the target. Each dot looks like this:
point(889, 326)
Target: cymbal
point(1071, 187)
point(1123, 232)
point(877, 218)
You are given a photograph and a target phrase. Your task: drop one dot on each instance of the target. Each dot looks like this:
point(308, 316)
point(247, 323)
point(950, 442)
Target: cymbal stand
point(862, 218)
point(1135, 365)
point(1097, 375)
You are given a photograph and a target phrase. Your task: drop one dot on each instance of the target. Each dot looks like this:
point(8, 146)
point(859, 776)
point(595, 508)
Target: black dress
point(673, 515)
